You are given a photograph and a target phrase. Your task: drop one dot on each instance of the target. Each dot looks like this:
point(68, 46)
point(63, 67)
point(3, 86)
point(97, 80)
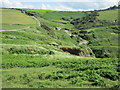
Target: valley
point(82, 54)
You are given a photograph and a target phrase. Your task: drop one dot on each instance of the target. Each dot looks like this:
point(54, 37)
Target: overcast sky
point(62, 5)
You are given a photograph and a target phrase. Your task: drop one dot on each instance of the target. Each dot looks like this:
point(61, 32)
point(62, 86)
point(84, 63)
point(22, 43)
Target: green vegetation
point(37, 36)
point(47, 14)
point(102, 33)
point(88, 21)
point(50, 58)
point(103, 41)
point(56, 71)
point(13, 19)
point(60, 19)
point(110, 15)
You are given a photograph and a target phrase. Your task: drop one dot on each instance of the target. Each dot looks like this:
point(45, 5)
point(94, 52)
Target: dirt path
point(83, 42)
point(68, 32)
point(38, 21)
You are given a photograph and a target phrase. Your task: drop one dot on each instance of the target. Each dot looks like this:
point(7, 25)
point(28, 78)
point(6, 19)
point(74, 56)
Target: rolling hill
point(49, 58)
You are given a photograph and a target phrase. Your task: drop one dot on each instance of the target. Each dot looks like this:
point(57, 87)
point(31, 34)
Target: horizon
point(56, 10)
point(59, 5)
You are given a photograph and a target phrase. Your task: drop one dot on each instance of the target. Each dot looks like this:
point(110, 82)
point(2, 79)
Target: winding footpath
point(81, 43)
point(38, 21)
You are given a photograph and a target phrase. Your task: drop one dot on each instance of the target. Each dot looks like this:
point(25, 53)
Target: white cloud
point(66, 5)
point(60, 8)
point(93, 4)
point(79, 5)
point(15, 4)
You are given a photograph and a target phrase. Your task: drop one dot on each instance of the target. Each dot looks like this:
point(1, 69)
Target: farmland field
point(12, 19)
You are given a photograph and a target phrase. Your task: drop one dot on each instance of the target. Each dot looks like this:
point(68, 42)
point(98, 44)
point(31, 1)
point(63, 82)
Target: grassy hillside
point(49, 58)
point(56, 18)
point(103, 40)
point(61, 14)
point(13, 19)
point(101, 30)
point(110, 15)
point(48, 14)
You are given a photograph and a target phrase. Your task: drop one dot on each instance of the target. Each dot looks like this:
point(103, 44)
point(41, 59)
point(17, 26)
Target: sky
point(61, 5)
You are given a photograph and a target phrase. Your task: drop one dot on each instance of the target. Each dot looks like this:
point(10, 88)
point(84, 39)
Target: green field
point(110, 15)
point(13, 19)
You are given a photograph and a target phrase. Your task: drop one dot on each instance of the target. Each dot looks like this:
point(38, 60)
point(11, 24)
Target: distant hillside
point(113, 7)
point(56, 18)
point(111, 15)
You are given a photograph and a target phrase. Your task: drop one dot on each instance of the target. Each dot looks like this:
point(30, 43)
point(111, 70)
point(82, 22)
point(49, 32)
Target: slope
point(36, 54)
point(109, 15)
point(101, 29)
point(56, 18)
point(13, 19)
